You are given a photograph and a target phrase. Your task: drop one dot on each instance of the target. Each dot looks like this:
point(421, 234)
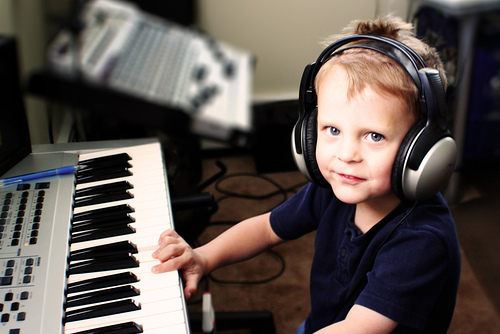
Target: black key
point(104, 264)
point(21, 316)
point(86, 225)
point(120, 157)
point(101, 233)
point(104, 169)
point(100, 296)
point(122, 247)
point(108, 176)
point(102, 282)
point(102, 198)
point(6, 280)
point(102, 310)
point(124, 328)
point(104, 212)
point(102, 189)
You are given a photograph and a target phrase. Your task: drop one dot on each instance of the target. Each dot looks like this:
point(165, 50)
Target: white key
point(147, 309)
point(171, 323)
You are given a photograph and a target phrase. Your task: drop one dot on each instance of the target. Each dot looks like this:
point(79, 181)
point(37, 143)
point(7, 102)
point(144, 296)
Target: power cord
point(219, 186)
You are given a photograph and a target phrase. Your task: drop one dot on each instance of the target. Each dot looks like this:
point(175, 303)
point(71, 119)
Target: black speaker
point(427, 155)
point(15, 141)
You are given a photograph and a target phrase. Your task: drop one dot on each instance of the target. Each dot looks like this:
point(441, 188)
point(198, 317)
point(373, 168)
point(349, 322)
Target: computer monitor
point(15, 143)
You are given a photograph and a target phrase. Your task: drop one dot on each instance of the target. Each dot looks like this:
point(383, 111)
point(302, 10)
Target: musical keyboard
point(83, 265)
point(138, 207)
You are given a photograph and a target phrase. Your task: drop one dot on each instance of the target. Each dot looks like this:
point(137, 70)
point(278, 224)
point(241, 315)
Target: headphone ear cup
point(402, 156)
point(309, 140)
point(439, 154)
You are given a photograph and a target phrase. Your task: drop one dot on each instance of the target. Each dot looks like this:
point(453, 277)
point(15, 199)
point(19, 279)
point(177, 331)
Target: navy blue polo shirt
point(410, 276)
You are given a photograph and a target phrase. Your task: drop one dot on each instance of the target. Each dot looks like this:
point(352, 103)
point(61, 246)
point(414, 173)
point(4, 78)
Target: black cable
point(266, 280)
point(231, 194)
point(261, 281)
point(280, 189)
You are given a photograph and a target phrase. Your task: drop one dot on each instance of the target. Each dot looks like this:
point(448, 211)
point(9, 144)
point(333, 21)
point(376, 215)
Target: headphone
point(427, 155)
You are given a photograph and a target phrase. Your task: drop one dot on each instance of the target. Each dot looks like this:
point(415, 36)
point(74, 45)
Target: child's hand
point(176, 254)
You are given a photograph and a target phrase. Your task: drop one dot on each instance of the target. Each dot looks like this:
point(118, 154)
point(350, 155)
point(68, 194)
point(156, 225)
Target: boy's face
point(358, 140)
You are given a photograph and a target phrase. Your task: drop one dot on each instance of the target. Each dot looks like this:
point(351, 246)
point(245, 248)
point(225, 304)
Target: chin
point(355, 195)
point(348, 197)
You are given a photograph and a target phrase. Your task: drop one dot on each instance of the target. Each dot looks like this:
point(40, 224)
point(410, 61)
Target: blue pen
point(10, 181)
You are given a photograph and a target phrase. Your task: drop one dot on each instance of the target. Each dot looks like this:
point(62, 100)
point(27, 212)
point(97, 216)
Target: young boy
point(382, 264)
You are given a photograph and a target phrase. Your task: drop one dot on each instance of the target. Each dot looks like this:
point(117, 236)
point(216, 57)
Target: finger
point(191, 286)
point(170, 251)
point(166, 241)
point(170, 263)
point(164, 267)
point(167, 233)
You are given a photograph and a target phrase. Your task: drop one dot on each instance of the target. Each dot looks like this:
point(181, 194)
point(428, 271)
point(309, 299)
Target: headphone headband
point(406, 57)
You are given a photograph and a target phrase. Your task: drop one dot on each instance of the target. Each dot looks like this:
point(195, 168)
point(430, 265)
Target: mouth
point(349, 179)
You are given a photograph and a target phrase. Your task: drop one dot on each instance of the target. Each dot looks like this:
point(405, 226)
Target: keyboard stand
point(259, 322)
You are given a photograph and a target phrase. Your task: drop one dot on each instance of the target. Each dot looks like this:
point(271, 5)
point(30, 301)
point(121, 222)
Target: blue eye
point(376, 137)
point(333, 131)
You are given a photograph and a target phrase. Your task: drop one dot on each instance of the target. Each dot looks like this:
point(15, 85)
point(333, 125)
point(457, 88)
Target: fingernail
point(159, 241)
point(154, 269)
point(155, 254)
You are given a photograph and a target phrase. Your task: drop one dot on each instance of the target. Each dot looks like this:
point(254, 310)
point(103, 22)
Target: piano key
point(110, 174)
point(101, 233)
point(151, 324)
point(146, 161)
point(120, 219)
point(132, 151)
point(100, 264)
point(146, 295)
point(102, 295)
point(141, 202)
point(102, 198)
point(102, 310)
point(102, 282)
point(144, 238)
point(143, 272)
point(122, 247)
point(123, 328)
point(147, 182)
point(103, 160)
point(125, 310)
point(104, 169)
point(141, 184)
point(102, 212)
point(104, 188)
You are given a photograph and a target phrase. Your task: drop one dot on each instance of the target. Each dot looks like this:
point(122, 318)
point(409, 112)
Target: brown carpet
point(287, 296)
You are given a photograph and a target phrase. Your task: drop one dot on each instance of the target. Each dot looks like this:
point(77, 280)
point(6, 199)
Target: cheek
point(322, 157)
point(382, 168)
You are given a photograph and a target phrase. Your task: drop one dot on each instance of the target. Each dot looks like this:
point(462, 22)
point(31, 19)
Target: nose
point(348, 150)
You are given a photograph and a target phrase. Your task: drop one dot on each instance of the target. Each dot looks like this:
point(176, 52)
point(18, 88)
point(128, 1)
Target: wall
point(25, 20)
point(285, 35)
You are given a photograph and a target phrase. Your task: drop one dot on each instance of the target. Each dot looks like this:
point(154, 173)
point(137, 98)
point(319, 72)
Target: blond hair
point(365, 67)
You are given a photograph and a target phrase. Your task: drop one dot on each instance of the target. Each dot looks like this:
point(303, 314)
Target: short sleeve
point(301, 213)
